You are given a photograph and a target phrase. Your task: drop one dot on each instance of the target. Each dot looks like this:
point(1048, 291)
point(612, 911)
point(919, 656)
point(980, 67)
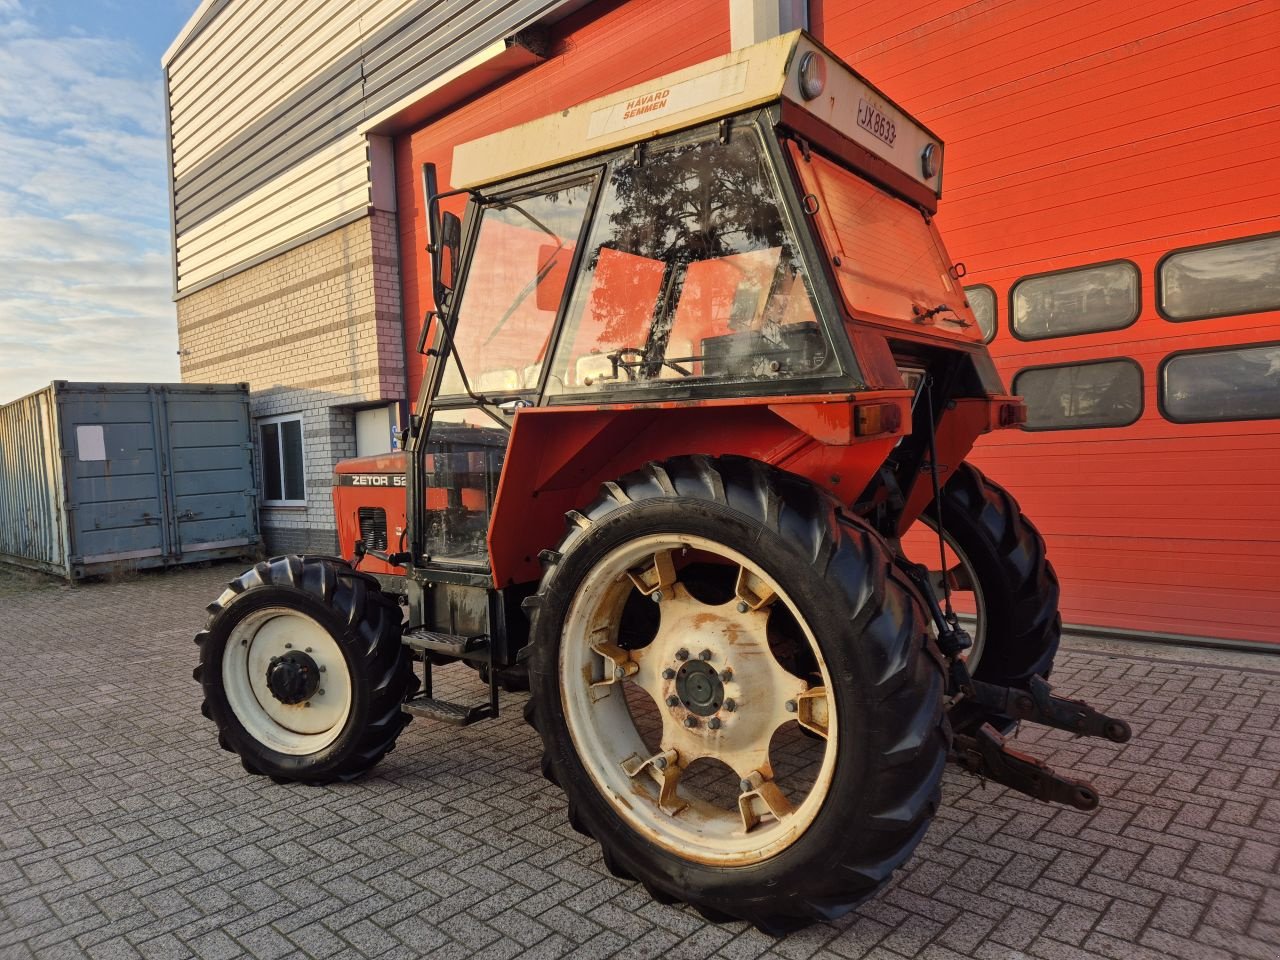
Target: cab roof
point(755, 76)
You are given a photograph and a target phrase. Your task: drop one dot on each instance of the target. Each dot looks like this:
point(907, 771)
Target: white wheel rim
point(643, 783)
point(964, 579)
point(300, 728)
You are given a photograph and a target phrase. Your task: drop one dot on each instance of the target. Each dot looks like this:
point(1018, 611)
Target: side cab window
point(690, 275)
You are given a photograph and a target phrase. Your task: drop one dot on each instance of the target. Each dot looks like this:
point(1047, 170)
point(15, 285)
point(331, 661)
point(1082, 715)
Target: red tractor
point(700, 362)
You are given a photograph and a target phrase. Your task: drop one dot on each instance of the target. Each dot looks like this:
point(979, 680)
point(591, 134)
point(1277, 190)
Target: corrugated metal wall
point(266, 101)
point(1081, 132)
point(31, 494)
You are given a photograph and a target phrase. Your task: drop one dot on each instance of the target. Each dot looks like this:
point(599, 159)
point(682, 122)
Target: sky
point(85, 266)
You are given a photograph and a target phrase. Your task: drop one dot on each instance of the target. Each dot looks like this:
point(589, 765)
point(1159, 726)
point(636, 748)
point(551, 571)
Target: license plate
point(876, 123)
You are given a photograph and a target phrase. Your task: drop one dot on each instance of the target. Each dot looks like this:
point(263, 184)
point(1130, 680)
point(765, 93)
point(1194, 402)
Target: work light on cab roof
point(699, 371)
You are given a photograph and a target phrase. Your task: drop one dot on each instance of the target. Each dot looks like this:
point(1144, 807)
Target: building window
point(1239, 276)
point(283, 477)
point(982, 300)
point(1068, 302)
point(1232, 383)
point(1106, 393)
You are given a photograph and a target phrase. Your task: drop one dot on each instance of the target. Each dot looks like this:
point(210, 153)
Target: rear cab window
point(888, 259)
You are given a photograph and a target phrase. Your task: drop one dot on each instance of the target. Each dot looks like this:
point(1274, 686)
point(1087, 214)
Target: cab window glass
point(691, 275)
point(513, 289)
point(1230, 278)
point(1102, 297)
point(982, 301)
point(465, 451)
point(1075, 396)
point(888, 258)
point(1240, 383)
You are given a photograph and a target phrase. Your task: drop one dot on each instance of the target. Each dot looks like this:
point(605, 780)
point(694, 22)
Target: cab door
point(502, 324)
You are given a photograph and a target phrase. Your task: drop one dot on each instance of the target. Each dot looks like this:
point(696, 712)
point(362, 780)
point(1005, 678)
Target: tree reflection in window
point(691, 274)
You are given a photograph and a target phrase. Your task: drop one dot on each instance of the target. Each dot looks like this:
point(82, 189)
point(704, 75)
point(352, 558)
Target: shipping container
point(103, 477)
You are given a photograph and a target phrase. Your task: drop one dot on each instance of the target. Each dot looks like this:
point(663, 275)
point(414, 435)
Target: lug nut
point(673, 701)
point(713, 723)
point(668, 674)
point(705, 655)
point(790, 706)
point(730, 705)
point(682, 654)
point(288, 646)
point(690, 721)
point(726, 675)
point(307, 704)
point(308, 650)
point(322, 668)
point(320, 692)
point(742, 606)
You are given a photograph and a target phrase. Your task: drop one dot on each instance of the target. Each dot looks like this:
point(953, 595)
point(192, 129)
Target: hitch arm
point(1039, 705)
point(987, 755)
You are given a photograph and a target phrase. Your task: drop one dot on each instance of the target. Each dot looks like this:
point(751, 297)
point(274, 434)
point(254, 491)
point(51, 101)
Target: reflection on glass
point(465, 450)
point(513, 289)
point(1237, 384)
point(1087, 300)
point(1107, 394)
point(982, 300)
point(1240, 277)
point(692, 275)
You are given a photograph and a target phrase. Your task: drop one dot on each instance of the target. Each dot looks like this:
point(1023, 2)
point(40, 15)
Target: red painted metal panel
point(1080, 132)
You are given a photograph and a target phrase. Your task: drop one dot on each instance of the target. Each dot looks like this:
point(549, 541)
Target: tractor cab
point(752, 236)
point(698, 361)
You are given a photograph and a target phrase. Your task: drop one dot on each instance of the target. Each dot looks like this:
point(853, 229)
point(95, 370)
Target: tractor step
point(454, 713)
point(448, 644)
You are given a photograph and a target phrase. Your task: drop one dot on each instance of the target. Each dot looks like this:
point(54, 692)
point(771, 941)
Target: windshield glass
point(889, 262)
point(692, 274)
point(513, 288)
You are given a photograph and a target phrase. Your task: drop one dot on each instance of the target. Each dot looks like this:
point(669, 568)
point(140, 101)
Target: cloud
point(85, 274)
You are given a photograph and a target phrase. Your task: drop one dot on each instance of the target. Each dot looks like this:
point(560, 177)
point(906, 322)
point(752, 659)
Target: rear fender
point(558, 457)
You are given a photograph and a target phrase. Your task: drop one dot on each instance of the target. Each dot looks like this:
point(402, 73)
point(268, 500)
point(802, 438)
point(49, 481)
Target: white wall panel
point(267, 102)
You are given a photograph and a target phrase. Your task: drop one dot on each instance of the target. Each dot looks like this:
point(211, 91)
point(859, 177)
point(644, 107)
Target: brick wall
point(316, 331)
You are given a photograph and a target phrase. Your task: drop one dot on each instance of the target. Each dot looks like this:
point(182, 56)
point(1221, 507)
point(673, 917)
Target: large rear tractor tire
point(303, 670)
point(1000, 559)
point(737, 692)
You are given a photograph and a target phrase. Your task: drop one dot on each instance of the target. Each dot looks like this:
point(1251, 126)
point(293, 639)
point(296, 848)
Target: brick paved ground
point(124, 831)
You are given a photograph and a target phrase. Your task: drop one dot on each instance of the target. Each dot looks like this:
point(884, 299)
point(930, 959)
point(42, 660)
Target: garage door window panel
point(1066, 303)
point(1235, 383)
point(1224, 279)
point(982, 301)
point(1077, 396)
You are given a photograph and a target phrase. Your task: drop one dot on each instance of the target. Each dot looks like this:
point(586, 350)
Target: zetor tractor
point(699, 363)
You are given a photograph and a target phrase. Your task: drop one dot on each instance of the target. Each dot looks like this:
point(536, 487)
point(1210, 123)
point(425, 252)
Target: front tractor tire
point(737, 692)
point(303, 670)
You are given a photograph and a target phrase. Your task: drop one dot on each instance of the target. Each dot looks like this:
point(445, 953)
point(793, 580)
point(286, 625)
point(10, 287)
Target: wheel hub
point(699, 688)
point(293, 677)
